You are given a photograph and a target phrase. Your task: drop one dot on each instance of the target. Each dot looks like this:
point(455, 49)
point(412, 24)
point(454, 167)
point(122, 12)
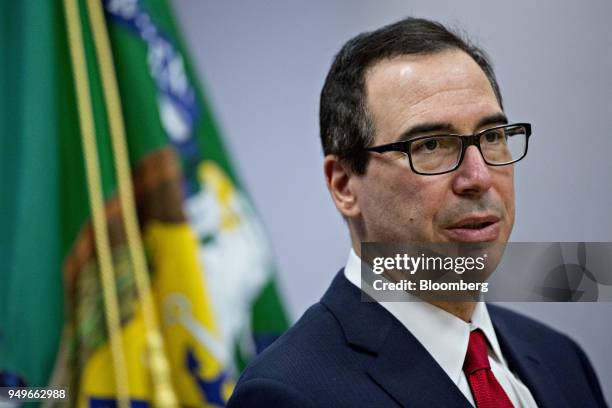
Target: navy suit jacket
point(347, 353)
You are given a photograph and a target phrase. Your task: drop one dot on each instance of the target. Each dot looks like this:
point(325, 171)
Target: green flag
point(31, 296)
point(215, 301)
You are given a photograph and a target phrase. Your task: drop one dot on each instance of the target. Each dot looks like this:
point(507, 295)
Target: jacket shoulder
point(313, 346)
point(560, 353)
point(264, 392)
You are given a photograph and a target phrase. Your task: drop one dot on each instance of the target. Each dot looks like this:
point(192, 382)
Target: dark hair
point(346, 128)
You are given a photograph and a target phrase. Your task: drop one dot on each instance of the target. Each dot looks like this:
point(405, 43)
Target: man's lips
point(474, 229)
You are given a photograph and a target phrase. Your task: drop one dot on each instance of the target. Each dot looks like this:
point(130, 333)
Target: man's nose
point(473, 176)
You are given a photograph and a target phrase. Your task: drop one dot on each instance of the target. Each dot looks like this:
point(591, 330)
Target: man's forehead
point(447, 86)
point(421, 74)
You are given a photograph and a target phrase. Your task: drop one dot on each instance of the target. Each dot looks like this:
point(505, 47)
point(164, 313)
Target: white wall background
point(263, 64)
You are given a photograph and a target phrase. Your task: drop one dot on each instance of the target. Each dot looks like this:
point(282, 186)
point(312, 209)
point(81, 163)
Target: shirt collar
point(443, 335)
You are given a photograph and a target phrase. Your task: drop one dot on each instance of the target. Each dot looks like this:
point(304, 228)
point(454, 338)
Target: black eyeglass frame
point(466, 141)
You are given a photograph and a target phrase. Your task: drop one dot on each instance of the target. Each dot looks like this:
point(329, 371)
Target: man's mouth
point(479, 225)
point(474, 229)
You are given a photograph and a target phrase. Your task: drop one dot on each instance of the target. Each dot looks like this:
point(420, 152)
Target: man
point(385, 92)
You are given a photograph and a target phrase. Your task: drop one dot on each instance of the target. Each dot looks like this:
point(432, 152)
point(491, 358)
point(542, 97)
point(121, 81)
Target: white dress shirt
point(445, 337)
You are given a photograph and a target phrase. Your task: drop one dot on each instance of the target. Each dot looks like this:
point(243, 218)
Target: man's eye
point(425, 146)
point(434, 146)
point(431, 144)
point(492, 137)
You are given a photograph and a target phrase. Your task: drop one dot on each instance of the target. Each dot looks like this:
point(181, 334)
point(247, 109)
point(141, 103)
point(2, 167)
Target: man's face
point(445, 92)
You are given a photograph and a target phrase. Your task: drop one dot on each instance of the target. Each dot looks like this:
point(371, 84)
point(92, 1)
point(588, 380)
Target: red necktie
point(486, 390)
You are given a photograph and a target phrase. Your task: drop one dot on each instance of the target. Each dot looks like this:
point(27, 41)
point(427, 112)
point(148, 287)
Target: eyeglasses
point(439, 154)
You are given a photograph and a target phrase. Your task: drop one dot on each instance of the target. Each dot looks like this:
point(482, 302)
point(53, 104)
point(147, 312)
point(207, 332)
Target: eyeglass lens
point(437, 154)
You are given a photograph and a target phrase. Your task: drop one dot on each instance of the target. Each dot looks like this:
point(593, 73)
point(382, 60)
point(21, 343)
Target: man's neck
point(462, 310)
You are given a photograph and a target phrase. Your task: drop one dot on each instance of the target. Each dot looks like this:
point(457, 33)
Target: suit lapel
point(528, 366)
point(406, 371)
point(400, 365)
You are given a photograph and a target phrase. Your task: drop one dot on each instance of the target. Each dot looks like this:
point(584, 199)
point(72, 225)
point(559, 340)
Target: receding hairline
point(419, 58)
point(409, 58)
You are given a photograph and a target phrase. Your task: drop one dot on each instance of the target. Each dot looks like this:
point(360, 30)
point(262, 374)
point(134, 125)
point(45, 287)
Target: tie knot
point(477, 357)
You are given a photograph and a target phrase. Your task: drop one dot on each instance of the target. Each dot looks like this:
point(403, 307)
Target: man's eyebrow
point(495, 119)
point(446, 127)
point(428, 127)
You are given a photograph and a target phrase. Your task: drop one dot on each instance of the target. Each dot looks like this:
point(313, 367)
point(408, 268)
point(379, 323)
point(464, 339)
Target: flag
point(123, 191)
point(31, 294)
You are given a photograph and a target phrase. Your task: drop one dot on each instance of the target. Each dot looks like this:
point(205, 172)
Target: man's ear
point(338, 177)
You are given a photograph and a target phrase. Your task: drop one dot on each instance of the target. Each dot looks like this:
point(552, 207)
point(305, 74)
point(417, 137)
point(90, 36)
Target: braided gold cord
point(96, 199)
point(164, 395)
